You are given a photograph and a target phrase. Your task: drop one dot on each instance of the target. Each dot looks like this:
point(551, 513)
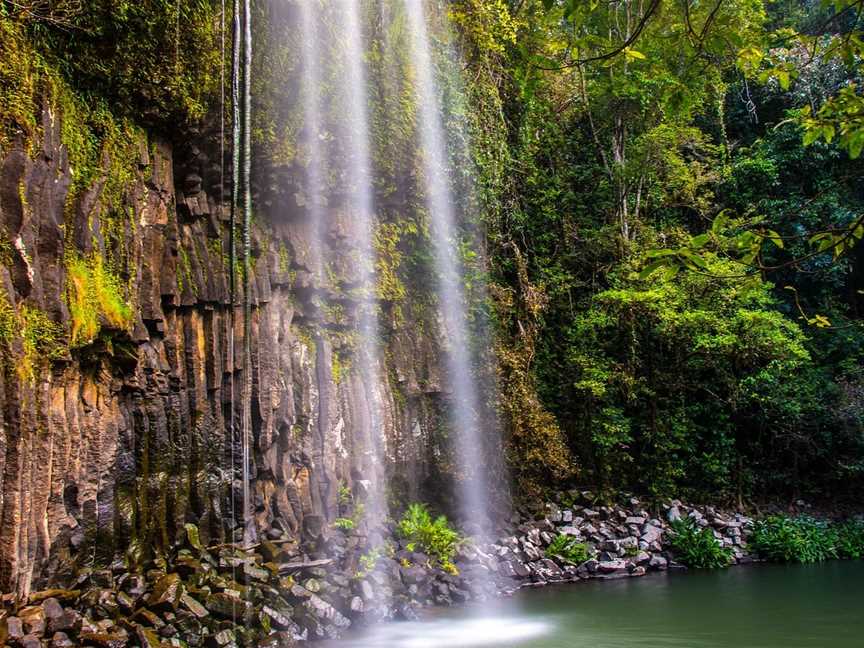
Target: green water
point(744, 607)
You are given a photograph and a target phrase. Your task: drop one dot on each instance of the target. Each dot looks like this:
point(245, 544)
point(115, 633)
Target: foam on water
point(454, 633)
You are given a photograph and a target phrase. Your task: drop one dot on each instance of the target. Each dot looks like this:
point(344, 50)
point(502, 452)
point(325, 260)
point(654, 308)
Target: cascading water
point(355, 130)
point(314, 154)
point(473, 482)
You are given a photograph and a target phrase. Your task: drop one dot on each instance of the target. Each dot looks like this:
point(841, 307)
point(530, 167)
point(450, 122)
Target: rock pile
point(282, 592)
point(622, 541)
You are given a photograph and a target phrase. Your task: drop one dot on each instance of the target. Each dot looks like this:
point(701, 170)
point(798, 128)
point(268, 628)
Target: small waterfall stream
point(355, 129)
point(473, 480)
point(311, 138)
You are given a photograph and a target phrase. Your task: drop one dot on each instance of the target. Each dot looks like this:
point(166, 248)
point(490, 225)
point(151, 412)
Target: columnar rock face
point(112, 444)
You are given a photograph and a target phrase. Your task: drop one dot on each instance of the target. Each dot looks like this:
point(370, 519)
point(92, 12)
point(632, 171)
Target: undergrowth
point(568, 548)
point(803, 539)
point(697, 547)
point(432, 536)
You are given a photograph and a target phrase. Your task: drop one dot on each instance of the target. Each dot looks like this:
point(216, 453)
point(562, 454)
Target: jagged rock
point(167, 592)
point(30, 641)
point(222, 639)
point(229, 606)
point(61, 640)
point(105, 639)
point(279, 619)
point(193, 606)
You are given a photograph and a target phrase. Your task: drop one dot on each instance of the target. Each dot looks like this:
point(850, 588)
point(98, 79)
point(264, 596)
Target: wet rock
point(611, 566)
point(147, 637)
point(223, 639)
point(62, 640)
point(281, 620)
point(105, 639)
point(33, 618)
point(59, 594)
point(30, 641)
point(192, 604)
point(229, 606)
point(14, 628)
point(166, 593)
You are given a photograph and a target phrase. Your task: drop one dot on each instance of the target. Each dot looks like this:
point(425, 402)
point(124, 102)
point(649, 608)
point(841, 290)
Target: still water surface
point(818, 606)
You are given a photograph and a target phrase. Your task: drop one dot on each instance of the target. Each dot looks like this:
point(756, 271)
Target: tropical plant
point(433, 536)
point(569, 549)
point(803, 539)
point(697, 547)
point(850, 539)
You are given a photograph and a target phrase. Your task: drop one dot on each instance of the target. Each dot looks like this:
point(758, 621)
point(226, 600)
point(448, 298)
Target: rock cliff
point(118, 386)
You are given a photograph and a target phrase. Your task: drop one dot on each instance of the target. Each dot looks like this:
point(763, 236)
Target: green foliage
point(803, 539)
point(156, 60)
point(95, 297)
point(30, 337)
point(344, 524)
point(666, 369)
point(568, 548)
point(369, 560)
point(432, 536)
point(697, 547)
point(850, 539)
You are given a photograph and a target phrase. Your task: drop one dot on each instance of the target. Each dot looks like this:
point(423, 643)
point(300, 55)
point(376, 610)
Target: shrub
point(850, 539)
point(344, 524)
point(568, 548)
point(434, 537)
point(697, 547)
point(804, 539)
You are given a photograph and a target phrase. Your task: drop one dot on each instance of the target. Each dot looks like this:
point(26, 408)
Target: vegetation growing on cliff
point(95, 297)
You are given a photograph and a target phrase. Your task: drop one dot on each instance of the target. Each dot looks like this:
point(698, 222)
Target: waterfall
point(473, 479)
point(311, 94)
point(355, 129)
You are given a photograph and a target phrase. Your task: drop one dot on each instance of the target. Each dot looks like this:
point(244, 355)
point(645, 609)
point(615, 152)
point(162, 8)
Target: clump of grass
point(95, 295)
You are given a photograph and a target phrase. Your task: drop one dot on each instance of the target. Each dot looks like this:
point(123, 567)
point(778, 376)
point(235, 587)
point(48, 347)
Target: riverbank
point(283, 592)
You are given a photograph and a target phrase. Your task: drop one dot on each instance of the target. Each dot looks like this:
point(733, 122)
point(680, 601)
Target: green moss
point(95, 296)
point(284, 259)
point(184, 272)
point(41, 339)
point(339, 367)
point(19, 84)
point(158, 61)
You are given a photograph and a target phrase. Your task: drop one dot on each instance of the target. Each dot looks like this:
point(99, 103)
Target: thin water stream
point(473, 481)
point(812, 606)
